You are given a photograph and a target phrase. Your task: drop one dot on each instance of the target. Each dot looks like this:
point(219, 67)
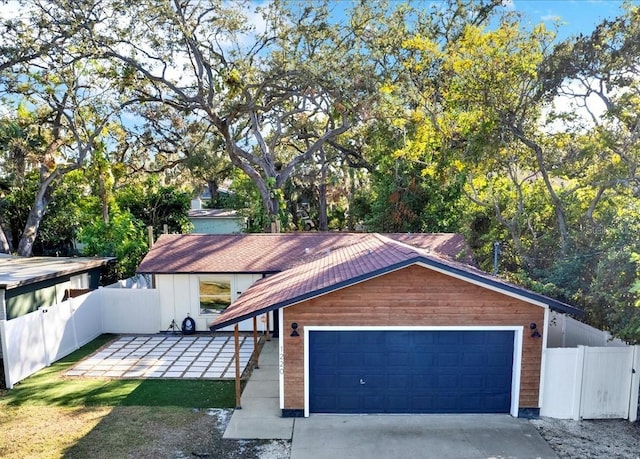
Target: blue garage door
point(410, 371)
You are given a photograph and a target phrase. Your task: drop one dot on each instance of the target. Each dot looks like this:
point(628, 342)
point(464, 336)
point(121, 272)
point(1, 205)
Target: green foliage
point(441, 120)
point(123, 237)
point(246, 199)
point(155, 205)
point(65, 213)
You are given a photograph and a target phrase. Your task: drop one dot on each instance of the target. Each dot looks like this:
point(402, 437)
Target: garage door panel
point(411, 371)
point(474, 359)
point(350, 359)
point(448, 359)
point(399, 381)
point(398, 359)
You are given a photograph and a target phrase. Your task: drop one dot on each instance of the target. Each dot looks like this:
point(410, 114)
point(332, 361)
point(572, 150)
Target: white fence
point(591, 383)
point(33, 341)
point(565, 331)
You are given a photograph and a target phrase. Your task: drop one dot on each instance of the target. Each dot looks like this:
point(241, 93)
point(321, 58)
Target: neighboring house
point(372, 323)
point(27, 284)
point(200, 275)
point(217, 221)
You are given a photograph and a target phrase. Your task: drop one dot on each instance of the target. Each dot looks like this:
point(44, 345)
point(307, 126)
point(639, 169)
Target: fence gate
point(606, 382)
point(591, 383)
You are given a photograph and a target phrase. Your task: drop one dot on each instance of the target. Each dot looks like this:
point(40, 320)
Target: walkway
point(259, 417)
point(166, 356)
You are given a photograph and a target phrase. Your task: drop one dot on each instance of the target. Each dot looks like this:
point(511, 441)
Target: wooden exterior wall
point(413, 296)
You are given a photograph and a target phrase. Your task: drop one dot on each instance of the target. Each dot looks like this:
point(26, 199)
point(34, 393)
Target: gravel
point(214, 446)
point(611, 439)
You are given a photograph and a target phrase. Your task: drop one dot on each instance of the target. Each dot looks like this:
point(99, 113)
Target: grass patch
point(44, 432)
point(49, 387)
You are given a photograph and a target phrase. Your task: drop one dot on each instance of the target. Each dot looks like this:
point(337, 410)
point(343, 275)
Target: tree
point(155, 205)
point(60, 108)
point(274, 102)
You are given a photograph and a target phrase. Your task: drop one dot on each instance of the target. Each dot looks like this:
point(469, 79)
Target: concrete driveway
point(497, 436)
point(428, 436)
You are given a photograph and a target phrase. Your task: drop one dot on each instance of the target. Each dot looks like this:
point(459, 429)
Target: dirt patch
point(140, 432)
point(613, 439)
point(146, 432)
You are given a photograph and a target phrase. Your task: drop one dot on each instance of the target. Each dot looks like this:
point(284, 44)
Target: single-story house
point(369, 323)
point(217, 221)
point(200, 275)
point(29, 283)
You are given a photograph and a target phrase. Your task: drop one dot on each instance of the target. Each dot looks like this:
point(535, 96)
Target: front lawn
point(49, 387)
point(49, 415)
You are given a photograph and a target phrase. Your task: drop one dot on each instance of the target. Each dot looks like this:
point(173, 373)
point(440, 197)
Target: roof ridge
point(399, 245)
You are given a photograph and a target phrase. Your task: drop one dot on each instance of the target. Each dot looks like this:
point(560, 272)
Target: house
point(368, 323)
point(379, 325)
point(215, 221)
point(27, 284)
point(200, 275)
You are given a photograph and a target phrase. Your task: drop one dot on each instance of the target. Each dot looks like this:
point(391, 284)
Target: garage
point(411, 371)
point(379, 326)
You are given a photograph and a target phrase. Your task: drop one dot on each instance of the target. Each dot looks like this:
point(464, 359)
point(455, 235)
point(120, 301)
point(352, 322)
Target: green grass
point(49, 387)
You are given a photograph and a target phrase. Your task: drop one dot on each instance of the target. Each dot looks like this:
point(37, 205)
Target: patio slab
point(166, 356)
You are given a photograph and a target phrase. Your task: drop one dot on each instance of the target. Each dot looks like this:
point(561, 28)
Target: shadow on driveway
point(426, 436)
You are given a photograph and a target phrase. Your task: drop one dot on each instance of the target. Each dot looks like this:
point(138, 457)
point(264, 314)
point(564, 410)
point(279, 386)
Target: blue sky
point(577, 16)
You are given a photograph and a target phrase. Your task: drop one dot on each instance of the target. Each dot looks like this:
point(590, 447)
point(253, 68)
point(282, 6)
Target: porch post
point(268, 328)
point(255, 343)
point(237, 354)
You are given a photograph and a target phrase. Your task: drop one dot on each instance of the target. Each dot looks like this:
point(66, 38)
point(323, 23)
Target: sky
point(576, 16)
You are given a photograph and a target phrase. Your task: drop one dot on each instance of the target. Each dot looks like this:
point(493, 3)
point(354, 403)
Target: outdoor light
point(534, 328)
point(294, 329)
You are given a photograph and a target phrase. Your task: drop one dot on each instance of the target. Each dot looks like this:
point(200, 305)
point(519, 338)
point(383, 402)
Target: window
point(215, 295)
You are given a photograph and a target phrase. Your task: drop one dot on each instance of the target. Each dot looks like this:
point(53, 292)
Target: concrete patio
point(167, 356)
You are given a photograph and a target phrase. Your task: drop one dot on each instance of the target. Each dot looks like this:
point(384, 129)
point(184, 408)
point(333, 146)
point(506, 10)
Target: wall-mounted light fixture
point(534, 330)
point(294, 329)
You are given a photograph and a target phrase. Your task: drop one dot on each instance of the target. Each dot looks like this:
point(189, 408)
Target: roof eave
point(93, 264)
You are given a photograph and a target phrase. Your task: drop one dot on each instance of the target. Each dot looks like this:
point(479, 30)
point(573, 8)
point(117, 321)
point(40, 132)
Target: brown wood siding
point(413, 296)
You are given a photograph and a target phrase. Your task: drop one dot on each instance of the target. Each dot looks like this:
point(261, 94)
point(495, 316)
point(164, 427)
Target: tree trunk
point(104, 201)
point(212, 184)
point(5, 242)
point(555, 199)
point(25, 247)
point(351, 221)
point(323, 223)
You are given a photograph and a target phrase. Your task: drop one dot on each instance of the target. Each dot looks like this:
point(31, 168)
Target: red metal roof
point(369, 256)
point(272, 252)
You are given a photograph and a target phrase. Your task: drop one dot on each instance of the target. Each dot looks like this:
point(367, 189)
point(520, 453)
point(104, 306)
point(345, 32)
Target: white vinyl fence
point(33, 341)
point(565, 331)
point(591, 383)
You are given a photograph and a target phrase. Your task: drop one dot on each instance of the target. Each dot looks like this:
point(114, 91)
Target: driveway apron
point(417, 436)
